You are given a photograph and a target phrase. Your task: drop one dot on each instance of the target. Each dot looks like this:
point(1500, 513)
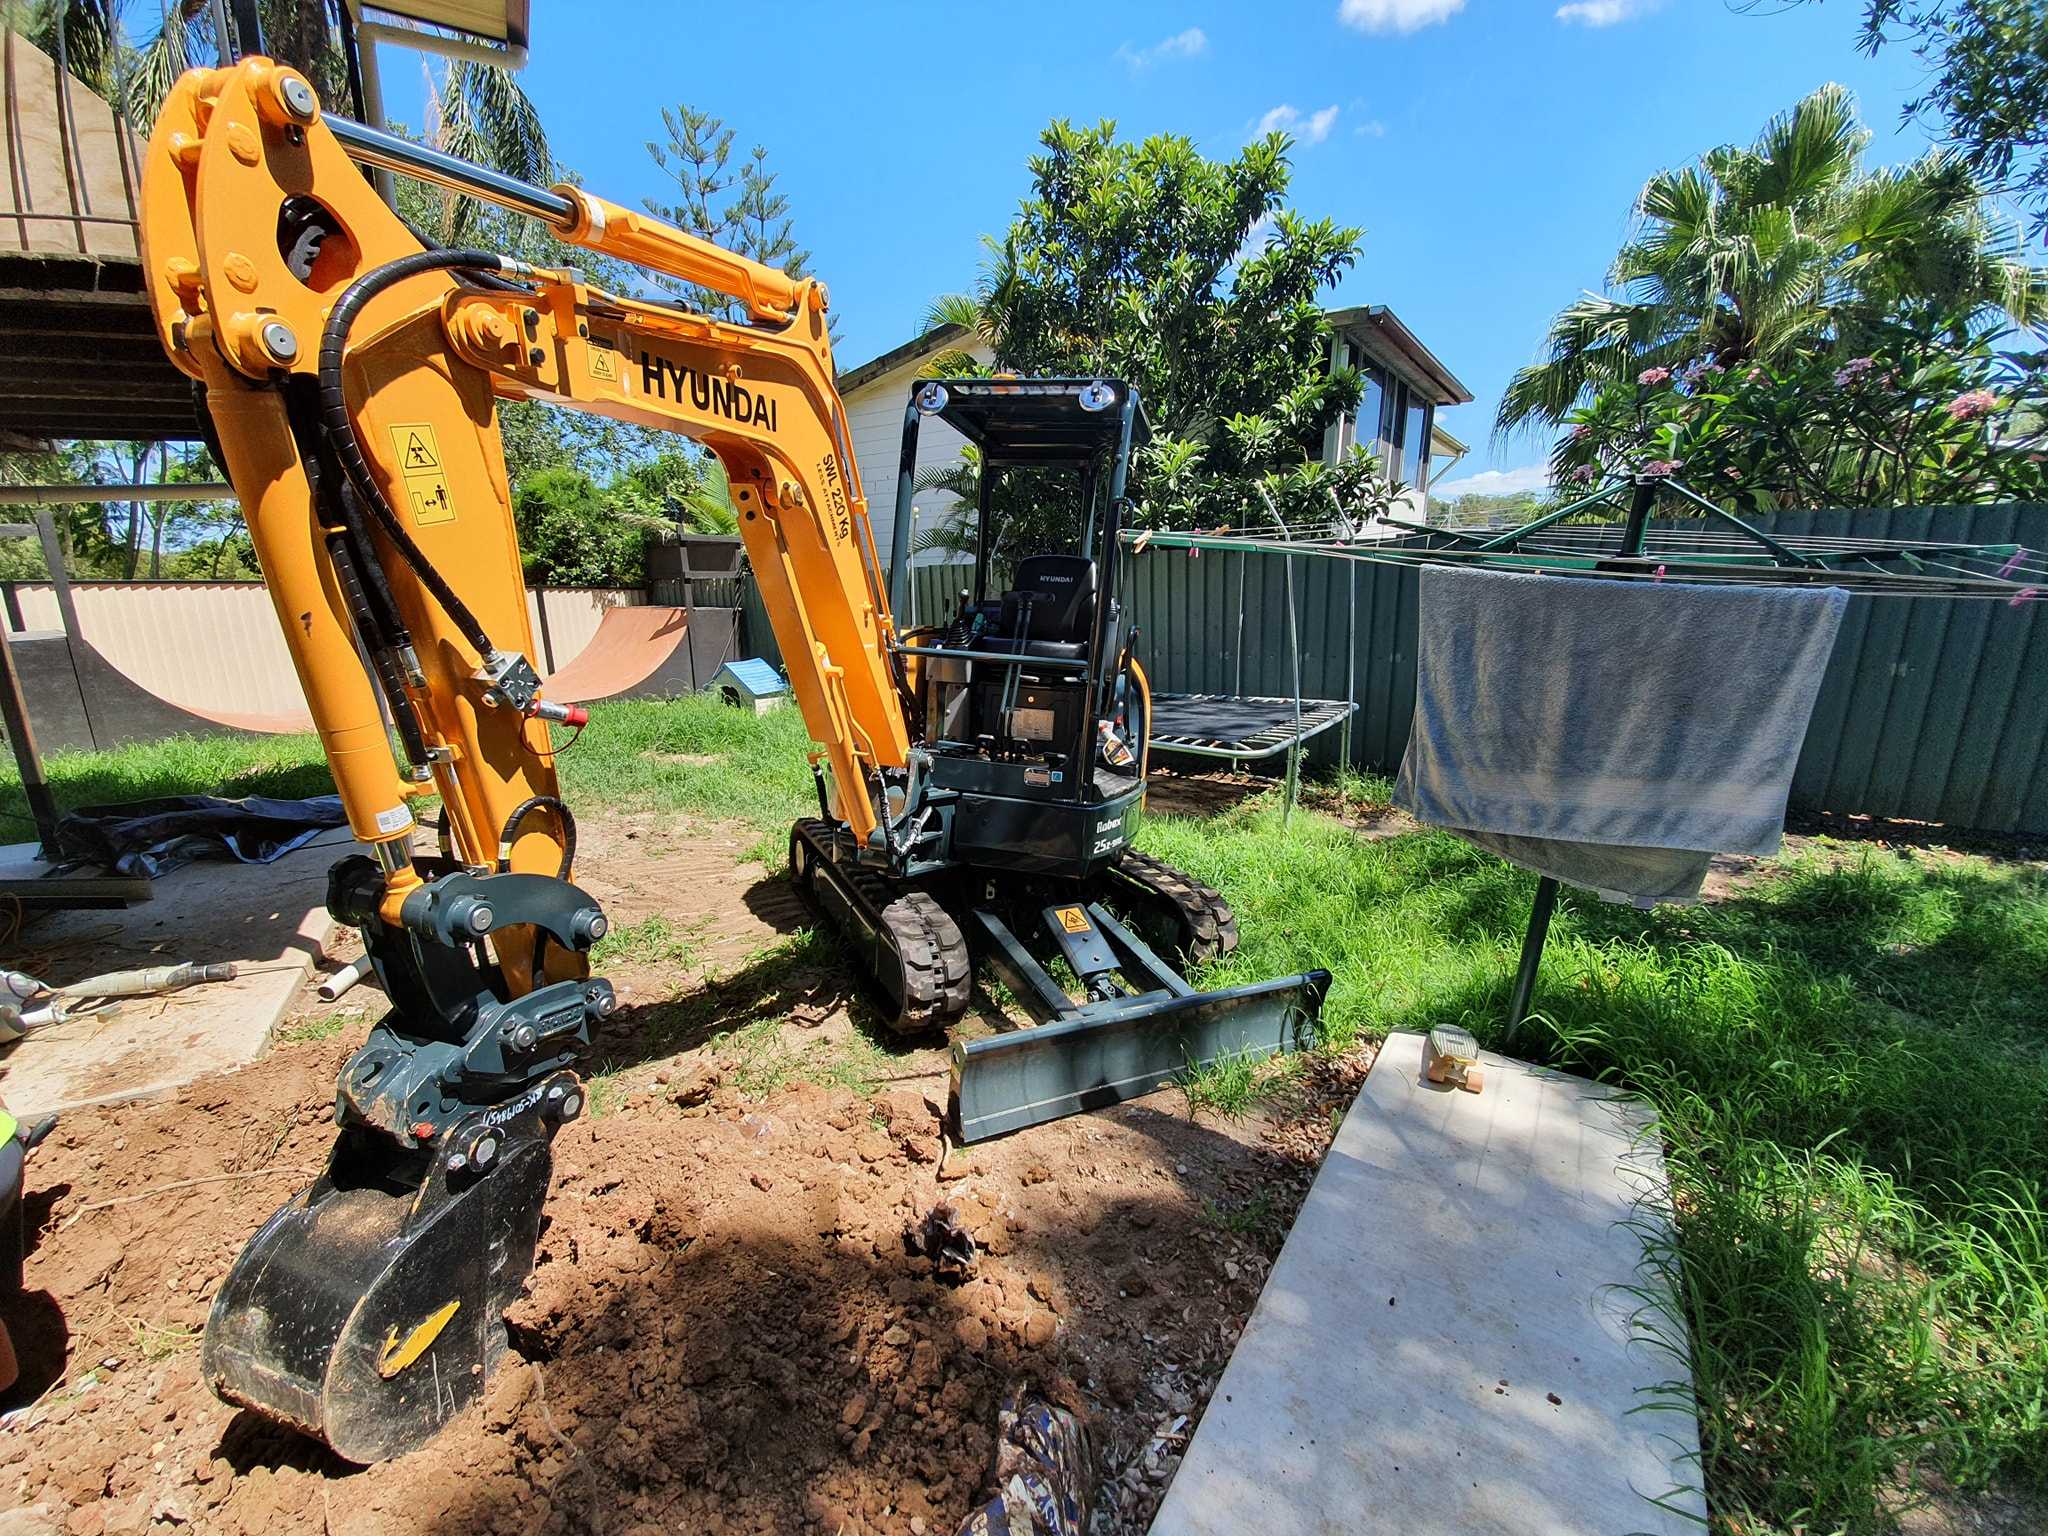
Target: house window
point(1415, 437)
point(1394, 428)
point(1365, 426)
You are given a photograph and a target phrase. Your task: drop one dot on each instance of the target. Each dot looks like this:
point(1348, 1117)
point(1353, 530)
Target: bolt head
point(484, 1152)
point(571, 1106)
point(524, 1036)
point(457, 1162)
point(298, 98)
point(536, 356)
point(279, 341)
point(481, 917)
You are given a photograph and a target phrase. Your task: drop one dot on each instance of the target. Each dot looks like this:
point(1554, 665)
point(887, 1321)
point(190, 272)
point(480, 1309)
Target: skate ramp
point(646, 653)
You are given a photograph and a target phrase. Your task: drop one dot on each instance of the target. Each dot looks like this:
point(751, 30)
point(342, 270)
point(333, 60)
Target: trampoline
point(1242, 729)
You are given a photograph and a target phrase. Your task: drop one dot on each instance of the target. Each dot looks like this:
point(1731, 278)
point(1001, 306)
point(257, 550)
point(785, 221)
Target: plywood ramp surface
point(1461, 1261)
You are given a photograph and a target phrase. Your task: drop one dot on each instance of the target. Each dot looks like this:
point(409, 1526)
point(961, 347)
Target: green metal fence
point(1933, 709)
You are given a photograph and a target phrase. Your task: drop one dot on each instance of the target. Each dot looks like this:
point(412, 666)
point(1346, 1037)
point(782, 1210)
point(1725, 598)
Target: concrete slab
point(1459, 1260)
point(270, 919)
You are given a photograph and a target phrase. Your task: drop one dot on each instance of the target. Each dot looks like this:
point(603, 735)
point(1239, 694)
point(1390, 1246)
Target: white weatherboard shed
point(876, 394)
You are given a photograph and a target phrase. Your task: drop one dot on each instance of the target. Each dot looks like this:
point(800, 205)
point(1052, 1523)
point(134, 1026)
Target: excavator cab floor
point(369, 1309)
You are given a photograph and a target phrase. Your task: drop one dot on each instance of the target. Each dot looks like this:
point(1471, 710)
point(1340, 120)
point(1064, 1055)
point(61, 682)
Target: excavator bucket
point(369, 1309)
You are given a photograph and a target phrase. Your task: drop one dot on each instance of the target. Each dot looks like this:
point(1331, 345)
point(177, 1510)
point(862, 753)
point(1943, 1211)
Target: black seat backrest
point(1062, 593)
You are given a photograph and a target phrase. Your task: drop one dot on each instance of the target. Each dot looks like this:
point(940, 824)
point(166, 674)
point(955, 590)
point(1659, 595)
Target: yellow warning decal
point(397, 1355)
point(604, 364)
point(1073, 919)
point(418, 453)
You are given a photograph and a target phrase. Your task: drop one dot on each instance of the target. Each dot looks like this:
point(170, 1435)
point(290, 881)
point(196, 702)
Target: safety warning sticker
point(1073, 919)
point(419, 465)
point(604, 364)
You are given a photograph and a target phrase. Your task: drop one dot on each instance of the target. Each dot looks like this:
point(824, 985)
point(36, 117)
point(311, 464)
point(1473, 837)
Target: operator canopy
point(1034, 421)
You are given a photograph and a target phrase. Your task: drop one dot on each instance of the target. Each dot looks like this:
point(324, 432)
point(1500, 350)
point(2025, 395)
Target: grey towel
point(1612, 734)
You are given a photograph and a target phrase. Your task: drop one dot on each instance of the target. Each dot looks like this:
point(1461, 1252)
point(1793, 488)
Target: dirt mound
point(725, 1330)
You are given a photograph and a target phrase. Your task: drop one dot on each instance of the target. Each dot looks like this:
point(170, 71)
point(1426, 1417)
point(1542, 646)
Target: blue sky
point(1490, 149)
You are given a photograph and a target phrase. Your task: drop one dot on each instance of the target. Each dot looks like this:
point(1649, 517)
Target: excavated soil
point(725, 1330)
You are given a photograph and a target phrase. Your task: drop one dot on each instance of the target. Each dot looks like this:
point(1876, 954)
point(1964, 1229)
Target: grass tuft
point(651, 941)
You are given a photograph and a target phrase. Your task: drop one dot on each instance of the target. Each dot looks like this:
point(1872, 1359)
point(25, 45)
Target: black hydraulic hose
point(341, 432)
point(384, 664)
point(526, 808)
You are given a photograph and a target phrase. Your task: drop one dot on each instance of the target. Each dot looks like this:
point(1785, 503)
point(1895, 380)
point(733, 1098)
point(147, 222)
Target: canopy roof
point(1036, 421)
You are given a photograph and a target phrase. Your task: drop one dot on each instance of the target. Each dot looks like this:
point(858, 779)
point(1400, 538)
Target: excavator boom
point(351, 376)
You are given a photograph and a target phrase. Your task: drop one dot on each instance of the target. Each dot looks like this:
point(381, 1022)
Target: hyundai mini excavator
point(977, 777)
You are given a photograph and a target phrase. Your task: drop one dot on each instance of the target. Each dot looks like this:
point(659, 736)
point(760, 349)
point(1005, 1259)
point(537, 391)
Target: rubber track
point(1208, 926)
point(937, 973)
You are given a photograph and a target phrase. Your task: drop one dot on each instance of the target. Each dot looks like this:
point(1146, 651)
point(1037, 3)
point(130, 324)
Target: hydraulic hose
point(341, 432)
point(526, 808)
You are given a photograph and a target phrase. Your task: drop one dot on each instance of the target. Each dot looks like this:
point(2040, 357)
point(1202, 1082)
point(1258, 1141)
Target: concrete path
point(270, 919)
point(1442, 1348)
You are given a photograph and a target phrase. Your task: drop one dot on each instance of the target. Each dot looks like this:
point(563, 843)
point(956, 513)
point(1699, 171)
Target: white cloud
point(1182, 45)
point(1396, 15)
point(1310, 129)
point(1496, 482)
point(1371, 128)
point(1604, 13)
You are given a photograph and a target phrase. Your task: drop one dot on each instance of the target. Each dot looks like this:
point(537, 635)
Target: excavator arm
point(351, 375)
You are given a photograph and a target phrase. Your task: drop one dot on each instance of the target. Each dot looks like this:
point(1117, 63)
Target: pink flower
point(1754, 376)
point(1658, 469)
point(1971, 404)
point(1650, 378)
point(1853, 370)
point(1582, 431)
point(1583, 475)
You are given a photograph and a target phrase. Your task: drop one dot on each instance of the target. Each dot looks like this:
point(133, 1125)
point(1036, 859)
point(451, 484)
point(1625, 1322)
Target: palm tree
point(1752, 254)
point(477, 111)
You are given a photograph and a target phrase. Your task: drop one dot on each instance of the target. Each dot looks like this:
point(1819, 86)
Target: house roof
point(1377, 328)
point(937, 339)
point(1381, 332)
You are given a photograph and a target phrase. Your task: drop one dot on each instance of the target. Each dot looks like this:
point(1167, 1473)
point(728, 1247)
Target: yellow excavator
point(977, 779)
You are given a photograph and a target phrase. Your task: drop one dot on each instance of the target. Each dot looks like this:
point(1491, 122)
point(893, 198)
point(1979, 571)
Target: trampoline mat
point(1218, 724)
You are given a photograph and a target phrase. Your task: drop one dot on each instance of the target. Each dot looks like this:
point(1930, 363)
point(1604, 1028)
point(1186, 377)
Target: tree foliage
point(1912, 421)
point(734, 204)
point(572, 533)
point(1986, 64)
point(1192, 279)
point(1785, 247)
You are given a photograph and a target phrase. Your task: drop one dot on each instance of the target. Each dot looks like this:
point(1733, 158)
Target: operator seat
point(1057, 592)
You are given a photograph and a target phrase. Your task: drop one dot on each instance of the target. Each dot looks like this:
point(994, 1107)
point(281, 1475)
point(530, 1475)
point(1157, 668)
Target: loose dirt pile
point(725, 1330)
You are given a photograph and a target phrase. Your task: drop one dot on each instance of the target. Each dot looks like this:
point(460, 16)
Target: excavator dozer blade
point(368, 1312)
point(1107, 1053)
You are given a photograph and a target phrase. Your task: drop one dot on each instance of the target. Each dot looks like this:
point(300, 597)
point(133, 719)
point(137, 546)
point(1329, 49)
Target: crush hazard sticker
point(417, 452)
point(1073, 919)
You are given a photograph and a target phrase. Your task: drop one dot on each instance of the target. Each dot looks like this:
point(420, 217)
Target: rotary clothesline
point(1737, 553)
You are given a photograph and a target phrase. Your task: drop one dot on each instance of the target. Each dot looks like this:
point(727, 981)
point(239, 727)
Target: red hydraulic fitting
point(560, 714)
point(423, 1130)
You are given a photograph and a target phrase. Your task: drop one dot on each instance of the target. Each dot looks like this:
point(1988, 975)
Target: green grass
point(697, 756)
point(1232, 1086)
point(286, 766)
point(1849, 1063)
point(318, 1026)
point(651, 941)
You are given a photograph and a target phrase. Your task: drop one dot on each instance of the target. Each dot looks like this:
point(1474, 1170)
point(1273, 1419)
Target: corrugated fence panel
point(1932, 709)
